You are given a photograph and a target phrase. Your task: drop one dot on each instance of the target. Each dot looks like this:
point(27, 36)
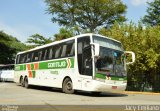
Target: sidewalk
point(135, 92)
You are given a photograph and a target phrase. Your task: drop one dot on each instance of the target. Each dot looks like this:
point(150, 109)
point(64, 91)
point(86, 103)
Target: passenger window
point(40, 55)
point(22, 58)
point(64, 51)
point(72, 50)
point(17, 60)
point(29, 55)
point(68, 49)
point(50, 52)
point(58, 51)
point(43, 54)
point(45, 57)
point(35, 56)
point(53, 52)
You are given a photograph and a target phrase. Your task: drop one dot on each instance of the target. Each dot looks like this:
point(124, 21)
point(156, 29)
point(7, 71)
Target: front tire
point(67, 86)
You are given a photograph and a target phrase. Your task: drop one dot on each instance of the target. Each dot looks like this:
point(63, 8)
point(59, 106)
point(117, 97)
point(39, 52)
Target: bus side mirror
point(96, 49)
point(131, 56)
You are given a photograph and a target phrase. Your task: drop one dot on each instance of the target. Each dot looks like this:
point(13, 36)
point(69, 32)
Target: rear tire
point(26, 85)
point(67, 86)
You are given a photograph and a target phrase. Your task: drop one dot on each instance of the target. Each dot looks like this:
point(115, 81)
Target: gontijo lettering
point(57, 64)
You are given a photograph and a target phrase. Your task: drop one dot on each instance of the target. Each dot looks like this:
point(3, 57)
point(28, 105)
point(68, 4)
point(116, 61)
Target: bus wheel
point(26, 85)
point(67, 86)
point(21, 81)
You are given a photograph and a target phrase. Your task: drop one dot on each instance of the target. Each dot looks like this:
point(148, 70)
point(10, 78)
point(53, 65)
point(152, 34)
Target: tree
point(153, 13)
point(38, 40)
point(9, 46)
point(86, 14)
point(64, 33)
point(145, 72)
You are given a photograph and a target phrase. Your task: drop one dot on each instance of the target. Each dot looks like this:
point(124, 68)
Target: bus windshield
point(111, 59)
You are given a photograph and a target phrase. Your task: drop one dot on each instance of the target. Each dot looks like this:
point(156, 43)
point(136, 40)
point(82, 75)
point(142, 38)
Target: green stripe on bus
point(32, 66)
point(21, 67)
point(119, 78)
point(33, 74)
point(72, 62)
point(24, 67)
point(103, 76)
point(55, 64)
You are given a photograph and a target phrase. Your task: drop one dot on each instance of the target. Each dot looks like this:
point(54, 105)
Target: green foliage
point(144, 41)
point(87, 14)
point(153, 13)
point(9, 46)
point(37, 40)
point(64, 33)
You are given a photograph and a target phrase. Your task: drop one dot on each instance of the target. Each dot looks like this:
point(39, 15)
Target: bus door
point(84, 61)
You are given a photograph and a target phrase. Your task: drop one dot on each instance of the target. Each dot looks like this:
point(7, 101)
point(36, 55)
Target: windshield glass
point(109, 43)
point(111, 59)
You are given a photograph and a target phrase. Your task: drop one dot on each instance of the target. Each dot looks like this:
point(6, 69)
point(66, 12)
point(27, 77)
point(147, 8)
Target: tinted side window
point(29, 57)
point(17, 59)
point(68, 49)
point(46, 54)
point(58, 49)
point(40, 54)
point(72, 53)
point(64, 49)
point(22, 58)
point(52, 51)
point(43, 54)
point(35, 56)
point(50, 56)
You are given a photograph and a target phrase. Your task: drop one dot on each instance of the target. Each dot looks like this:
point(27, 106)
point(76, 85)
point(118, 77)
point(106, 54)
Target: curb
point(145, 93)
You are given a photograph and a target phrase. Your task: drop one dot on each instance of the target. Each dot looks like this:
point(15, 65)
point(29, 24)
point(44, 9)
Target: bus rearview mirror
point(130, 57)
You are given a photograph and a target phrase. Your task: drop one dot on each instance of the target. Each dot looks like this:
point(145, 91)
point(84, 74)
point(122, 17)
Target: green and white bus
point(87, 62)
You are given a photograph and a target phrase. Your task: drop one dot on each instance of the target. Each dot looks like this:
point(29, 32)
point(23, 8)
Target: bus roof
point(71, 38)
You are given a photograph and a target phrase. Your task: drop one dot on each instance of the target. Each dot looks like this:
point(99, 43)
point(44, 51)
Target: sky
point(23, 18)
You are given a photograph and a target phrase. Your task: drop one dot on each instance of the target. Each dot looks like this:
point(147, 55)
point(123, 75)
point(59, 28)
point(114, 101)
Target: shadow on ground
point(107, 94)
point(81, 93)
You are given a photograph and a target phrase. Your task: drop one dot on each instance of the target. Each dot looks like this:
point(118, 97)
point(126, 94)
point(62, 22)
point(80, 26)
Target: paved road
point(12, 94)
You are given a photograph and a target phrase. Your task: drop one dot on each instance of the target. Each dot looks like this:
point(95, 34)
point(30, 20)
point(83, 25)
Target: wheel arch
point(65, 78)
point(25, 76)
point(21, 78)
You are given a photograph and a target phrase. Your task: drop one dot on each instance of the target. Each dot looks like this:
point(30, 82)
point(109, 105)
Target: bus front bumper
point(116, 86)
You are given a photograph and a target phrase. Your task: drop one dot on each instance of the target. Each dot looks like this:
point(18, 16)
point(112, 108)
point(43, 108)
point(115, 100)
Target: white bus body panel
point(80, 82)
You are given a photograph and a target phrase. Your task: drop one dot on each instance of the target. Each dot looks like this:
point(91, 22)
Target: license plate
point(114, 87)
